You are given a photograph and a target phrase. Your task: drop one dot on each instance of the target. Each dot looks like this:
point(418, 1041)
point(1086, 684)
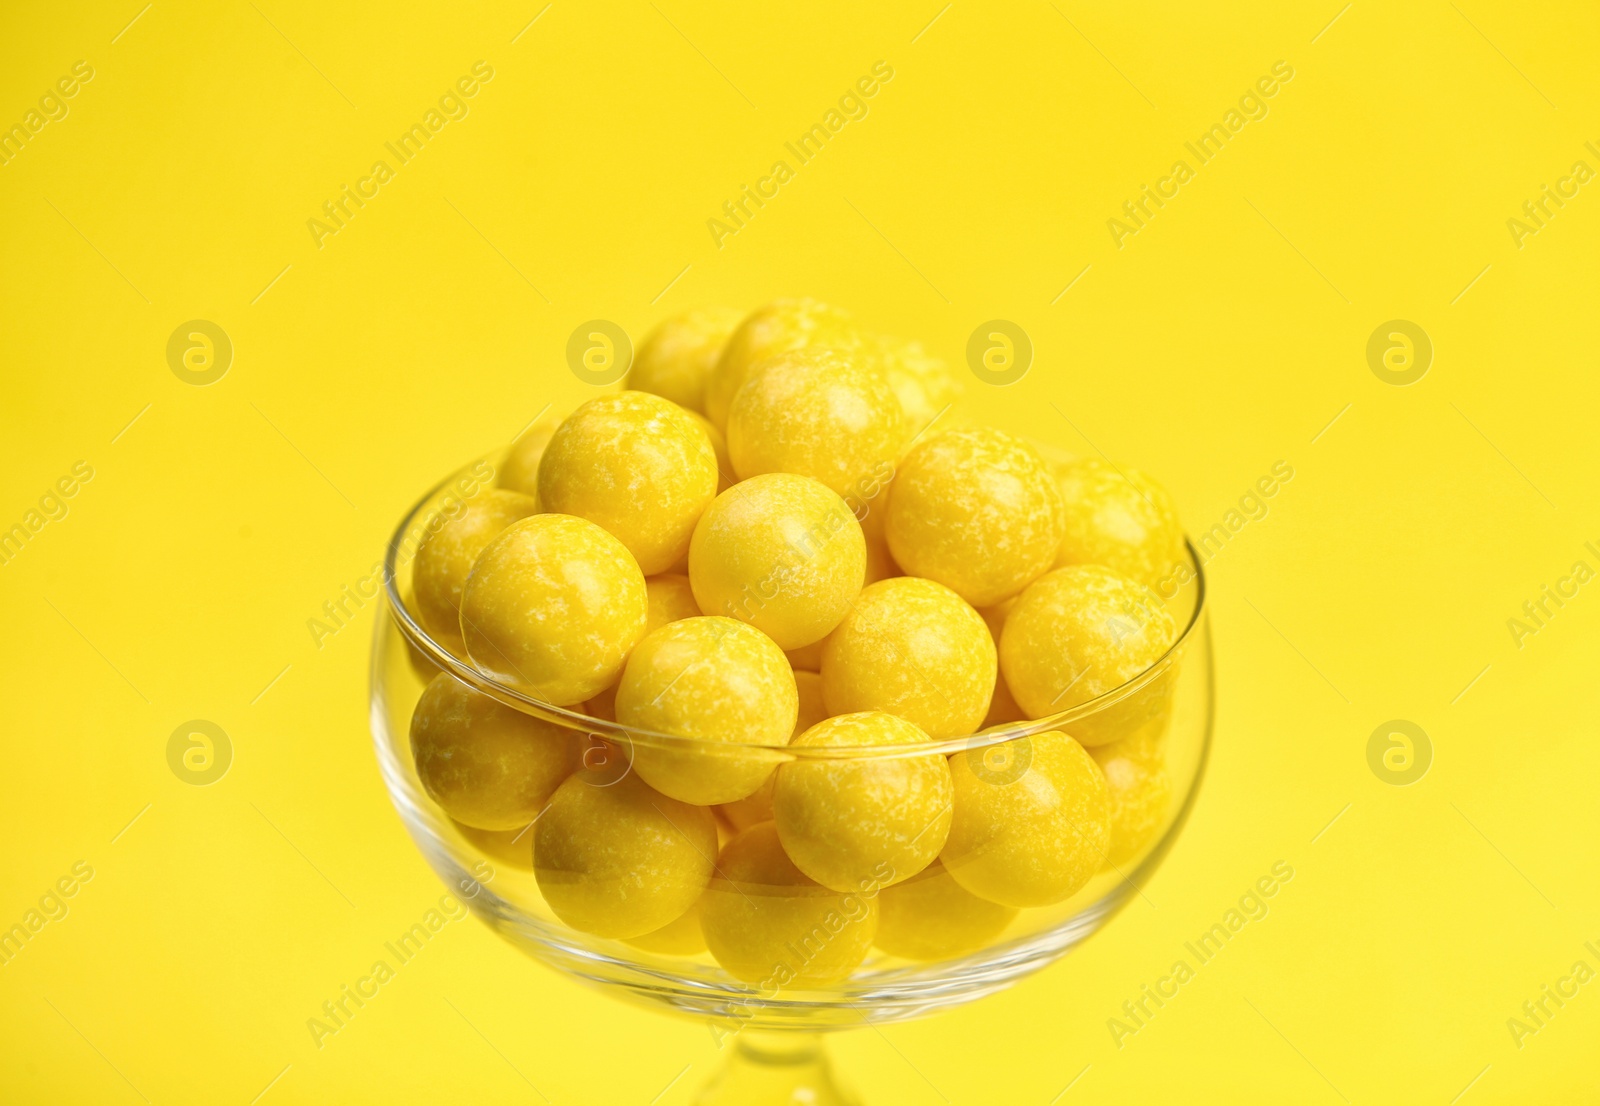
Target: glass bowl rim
point(424, 642)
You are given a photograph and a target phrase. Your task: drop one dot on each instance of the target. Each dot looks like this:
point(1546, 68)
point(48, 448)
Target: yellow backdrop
point(1367, 195)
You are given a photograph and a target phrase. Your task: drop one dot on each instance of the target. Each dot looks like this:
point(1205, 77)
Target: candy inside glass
point(772, 1033)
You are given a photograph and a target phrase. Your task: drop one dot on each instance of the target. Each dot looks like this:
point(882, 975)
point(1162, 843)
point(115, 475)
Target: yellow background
point(1222, 338)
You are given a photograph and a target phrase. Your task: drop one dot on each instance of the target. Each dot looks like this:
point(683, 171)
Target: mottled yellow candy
point(814, 413)
point(746, 812)
point(668, 598)
point(1077, 633)
point(976, 510)
point(719, 446)
point(512, 846)
point(717, 680)
point(850, 823)
point(1003, 705)
point(779, 327)
point(932, 917)
point(1122, 520)
point(915, 649)
point(924, 384)
point(519, 472)
point(679, 937)
point(485, 763)
point(1140, 789)
point(552, 607)
point(621, 860)
point(445, 556)
point(1032, 820)
point(676, 359)
point(768, 924)
point(781, 552)
point(637, 465)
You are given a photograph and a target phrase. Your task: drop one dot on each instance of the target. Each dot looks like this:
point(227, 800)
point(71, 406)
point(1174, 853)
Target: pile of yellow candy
point(766, 540)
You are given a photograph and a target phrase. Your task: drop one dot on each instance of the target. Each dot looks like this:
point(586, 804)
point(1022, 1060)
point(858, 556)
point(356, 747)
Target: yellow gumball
point(814, 413)
point(932, 917)
point(719, 446)
point(746, 812)
point(668, 598)
point(676, 359)
point(978, 511)
point(766, 923)
point(445, 556)
point(1032, 820)
point(863, 821)
point(488, 765)
point(1003, 706)
point(637, 465)
point(716, 680)
point(621, 860)
point(519, 472)
point(513, 846)
point(553, 606)
point(915, 649)
point(779, 327)
point(781, 552)
point(679, 937)
point(1079, 632)
point(1140, 789)
point(1122, 520)
point(924, 384)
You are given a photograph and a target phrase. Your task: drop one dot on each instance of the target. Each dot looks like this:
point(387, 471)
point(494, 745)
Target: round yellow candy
point(679, 937)
point(932, 917)
point(485, 763)
point(746, 812)
point(717, 680)
point(1003, 706)
point(779, 327)
point(814, 413)
point(915, 649)
point(637, 465)
point(781, 552)
point(553, 606)
point(445, 556)
point(719, 446)
point(924, 384)
point(1135, 769)
point(976, 510)
point(621, 860)
point(668, 598)
point(519, 472)
point(865, 821)
point(1077, 633)
point(675, 359)
point(1032, 820)
point(513, 847)
point(1122, 520)
point(766, 923)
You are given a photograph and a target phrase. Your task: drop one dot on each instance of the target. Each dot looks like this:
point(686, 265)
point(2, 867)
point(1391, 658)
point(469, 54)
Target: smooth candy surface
point(1121, 520)
point(1032, 820)
point(781, 552)
point(679, 937)
point(932, 917)
point(519, 472)
point(1079, 632)
point(850, 823)
point(924, 384)
point(676, 359)
point(915, 649)
point(638, 466)
point(780, 326)
point(1140, 790)
point(488, 765)
point(717, 680)
point(767, 923)
point(444, 559)
point(746, 812)
point(552, 607)
point(621, 860)
point(978, 511)
point(814, 413)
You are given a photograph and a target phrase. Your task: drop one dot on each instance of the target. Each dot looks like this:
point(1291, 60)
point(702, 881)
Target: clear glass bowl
point(493, 873)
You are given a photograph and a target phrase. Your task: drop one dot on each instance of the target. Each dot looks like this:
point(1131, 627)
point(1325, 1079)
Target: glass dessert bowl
point(892, 935)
